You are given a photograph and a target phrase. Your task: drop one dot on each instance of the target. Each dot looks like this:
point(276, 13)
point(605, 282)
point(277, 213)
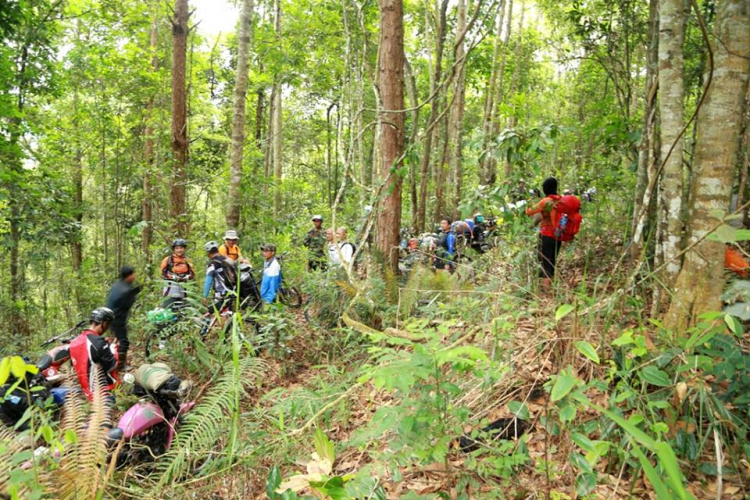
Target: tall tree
point(436, 87)
point(179, 117)
point(238, 115)
point(278, 131)
point(700, 282)
point(391, 87)
point(457, 113)
point(647, 157)
point(148, 149)
point(672, 20)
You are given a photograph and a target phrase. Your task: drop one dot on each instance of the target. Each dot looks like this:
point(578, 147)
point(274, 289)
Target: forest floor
point(534, 349)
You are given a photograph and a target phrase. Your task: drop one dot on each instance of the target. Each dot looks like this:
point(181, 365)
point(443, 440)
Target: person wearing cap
point(271, 281)
point(315, 241)
point(230, 248)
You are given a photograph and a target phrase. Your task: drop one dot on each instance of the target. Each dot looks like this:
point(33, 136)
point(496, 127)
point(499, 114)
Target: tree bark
point(411, 89)
point(457, 113)
point(490, 163)
point(441, 6)
point(489, 98)
point(512, 119)
point(238, 116)
point(277, 126)
point(391, 87)
point(701, 280)
point(646, 161)
point(179, 117)
point(148, 153)
point(672, 19)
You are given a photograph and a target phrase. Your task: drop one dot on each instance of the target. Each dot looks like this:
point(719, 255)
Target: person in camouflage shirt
point(315, 241)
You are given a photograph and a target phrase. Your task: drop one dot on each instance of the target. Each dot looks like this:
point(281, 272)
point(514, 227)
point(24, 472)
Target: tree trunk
point(148, 154)
point(391, 87)
point(238, 116)
point(268, 157)
point(701, 281)
point(489, 98)
point(77, 247)
point(411, 89)
point(672, 18)
point(278, 131)
point(645, 170)
point(490, 163)
point(441, 6)
point(457, 113)
point(512, 119)
point(179, 117)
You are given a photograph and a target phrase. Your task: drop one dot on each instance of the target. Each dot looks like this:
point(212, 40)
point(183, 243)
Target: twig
point(719, 465)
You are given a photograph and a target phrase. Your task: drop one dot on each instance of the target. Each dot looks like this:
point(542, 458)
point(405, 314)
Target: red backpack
point(566, 217)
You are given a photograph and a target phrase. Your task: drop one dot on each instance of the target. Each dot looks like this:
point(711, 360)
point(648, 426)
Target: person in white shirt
point(342, 252)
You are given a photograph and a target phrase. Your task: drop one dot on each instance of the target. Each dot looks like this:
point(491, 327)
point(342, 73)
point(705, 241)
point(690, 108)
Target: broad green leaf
point(568, 413)
point(587, 350)
point(668, 462)
point(519, 410)
point(4, 370)
point(654, 376)
point(563, 385)
point(563, 311)
point(734, 325)
point(324, 446)
point(17, 366)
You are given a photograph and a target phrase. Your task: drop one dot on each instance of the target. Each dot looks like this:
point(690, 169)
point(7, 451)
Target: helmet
point(179, 242)
point(268, 247)
point(231, 234)
point(102, 314)
point(317, 217)
point(211, 245)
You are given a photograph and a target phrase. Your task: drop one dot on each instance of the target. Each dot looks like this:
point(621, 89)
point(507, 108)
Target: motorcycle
point(149, 426)
point(485, 237)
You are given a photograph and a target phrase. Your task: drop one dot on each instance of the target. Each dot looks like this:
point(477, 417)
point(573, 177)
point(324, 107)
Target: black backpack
point(229, 271)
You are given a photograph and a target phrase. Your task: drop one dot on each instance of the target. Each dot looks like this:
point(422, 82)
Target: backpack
point(229, 270)
point(170, 264)
point(566, 217)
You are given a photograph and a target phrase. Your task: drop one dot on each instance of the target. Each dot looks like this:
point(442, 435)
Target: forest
point(375, 249)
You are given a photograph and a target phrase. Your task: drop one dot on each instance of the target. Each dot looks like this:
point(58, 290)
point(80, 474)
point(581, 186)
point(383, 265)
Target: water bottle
point(561, 228)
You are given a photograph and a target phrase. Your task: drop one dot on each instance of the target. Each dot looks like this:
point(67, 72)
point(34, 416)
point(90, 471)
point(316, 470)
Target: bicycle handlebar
point(61, 337)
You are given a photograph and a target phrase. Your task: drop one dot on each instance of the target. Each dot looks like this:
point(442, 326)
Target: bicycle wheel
point(290, 297)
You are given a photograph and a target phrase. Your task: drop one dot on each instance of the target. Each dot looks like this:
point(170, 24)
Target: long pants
point(121, 334)
point(547, 250)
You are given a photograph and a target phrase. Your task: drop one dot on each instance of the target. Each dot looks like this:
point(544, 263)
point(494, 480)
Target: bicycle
point(289, 296)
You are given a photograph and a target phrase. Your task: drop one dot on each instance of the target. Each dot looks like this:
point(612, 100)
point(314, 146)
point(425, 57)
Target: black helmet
point(179, 242)
point(102, 314)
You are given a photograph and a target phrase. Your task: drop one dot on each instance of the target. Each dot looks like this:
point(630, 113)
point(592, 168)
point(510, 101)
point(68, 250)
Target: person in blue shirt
point(446, 246)
point(271, 281)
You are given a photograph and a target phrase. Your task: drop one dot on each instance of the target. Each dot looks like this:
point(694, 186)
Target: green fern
point(205, 424)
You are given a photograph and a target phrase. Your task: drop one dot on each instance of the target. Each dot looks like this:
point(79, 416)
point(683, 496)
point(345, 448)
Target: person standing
point(315, 241)
point(176, 269)
point(271, 281)
point(446, 246)
point(230, 249)
point(548, 246)
point(120, 300)
point(345, 248)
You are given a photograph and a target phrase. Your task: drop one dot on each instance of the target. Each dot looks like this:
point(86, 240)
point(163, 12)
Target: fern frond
point(205, 424)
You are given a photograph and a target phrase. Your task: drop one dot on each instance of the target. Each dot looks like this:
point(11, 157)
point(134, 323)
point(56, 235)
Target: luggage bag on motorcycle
point(156, 376)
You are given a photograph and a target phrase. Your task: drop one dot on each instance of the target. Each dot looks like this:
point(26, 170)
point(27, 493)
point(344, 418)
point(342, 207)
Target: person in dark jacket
point(548, 246)
point(121, 298)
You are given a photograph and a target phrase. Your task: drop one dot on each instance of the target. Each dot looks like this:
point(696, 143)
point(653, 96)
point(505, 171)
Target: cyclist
point(271, 281)
point(90, 348)
point(217, 278)
point(230, 248)
point(176, 268)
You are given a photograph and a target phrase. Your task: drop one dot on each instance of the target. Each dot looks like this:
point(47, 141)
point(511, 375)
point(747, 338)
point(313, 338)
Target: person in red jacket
point(90, 348)
point(549, 245)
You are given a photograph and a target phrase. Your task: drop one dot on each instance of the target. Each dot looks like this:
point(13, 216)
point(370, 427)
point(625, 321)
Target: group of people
point(326, 252)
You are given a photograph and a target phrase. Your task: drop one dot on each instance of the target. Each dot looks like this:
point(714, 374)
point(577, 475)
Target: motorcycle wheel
point(159, 342)
point(290, 297)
